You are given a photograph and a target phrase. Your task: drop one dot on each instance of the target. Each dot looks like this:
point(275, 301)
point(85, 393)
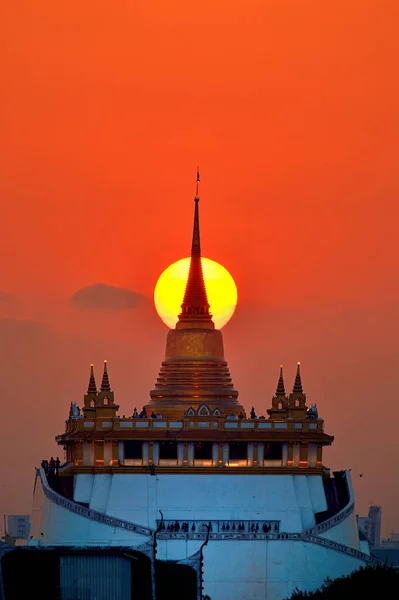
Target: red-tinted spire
point(298, 382)
point(92, 389)
point(195, 305)
point(105, 386)
point(280, 391)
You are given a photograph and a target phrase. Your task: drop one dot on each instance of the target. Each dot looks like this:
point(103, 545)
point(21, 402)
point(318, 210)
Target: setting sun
point(220, 287)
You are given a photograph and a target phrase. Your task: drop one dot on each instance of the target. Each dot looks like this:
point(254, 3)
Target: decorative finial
point(195, 302)
point(92, 389)
point(197, 186)
point(298, 382)
point(280, 391)
point(105, 386)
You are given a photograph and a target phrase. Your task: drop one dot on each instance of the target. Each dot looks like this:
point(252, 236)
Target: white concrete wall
point(317, 494)
point(233, 570)
point(304, 502)
point(346, 532)
point(100, 494)
point(243, 570)
point(63, 527)
point(137, 498)
point(83, 486)
point(364, 547)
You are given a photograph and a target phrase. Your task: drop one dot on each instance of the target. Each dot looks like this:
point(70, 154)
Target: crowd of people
point(52, 466)
point(253, 527)
point(143, 414)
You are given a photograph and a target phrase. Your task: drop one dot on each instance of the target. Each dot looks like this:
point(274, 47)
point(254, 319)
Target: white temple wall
point(364, 546)
point(233, 569)
point(83, 486)
point(317, 494)
point(128, 498)
point(177, 549)
point(271, 570)
point(100, 494)
point(63, 527)
point(139, 498)
point(346, 532)
point(304, 502)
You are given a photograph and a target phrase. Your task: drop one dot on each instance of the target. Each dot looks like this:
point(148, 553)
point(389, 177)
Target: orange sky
point(290, 108)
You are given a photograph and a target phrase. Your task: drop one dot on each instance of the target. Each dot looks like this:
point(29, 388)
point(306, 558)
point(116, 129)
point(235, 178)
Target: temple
point(242, 504)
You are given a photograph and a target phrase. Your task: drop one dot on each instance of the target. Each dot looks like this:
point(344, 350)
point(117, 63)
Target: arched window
point(190, 412)
point(204, 411)
point(216, 412)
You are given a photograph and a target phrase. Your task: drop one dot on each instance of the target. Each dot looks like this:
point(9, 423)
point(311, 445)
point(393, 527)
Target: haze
point(290, 108)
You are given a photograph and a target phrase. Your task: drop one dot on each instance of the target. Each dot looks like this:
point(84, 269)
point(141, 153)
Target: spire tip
point(197, 182)
point(298, 381)
point(105, 386)
point(280, 390)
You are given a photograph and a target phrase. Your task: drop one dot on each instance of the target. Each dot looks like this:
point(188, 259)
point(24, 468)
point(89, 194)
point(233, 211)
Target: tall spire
point(280, 391)
point(195, 305)
point(105, 386)
point(298, 382)
point(92, 389)
point(196, 244)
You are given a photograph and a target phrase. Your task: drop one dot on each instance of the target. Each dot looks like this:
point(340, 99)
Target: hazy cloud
point(7, 299)
point(106, 297)
point(21, 328)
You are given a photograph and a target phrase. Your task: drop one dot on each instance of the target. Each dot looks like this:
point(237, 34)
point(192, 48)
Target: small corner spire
point(280, 391)
point(92, 388)
point(298, 382)
point(105, 386)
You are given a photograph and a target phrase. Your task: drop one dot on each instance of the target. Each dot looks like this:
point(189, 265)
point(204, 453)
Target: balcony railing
point(223, 527)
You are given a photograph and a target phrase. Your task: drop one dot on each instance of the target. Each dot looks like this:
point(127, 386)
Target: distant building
point(393, 540)
point(370, 526)
point(386, 551)
point(16, 530)
point(18, 526)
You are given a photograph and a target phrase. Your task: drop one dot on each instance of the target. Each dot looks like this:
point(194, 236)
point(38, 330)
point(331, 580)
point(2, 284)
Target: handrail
point(307, 426)
point(293, 537)
point(332, 521)
point(89, 513)
point(314, 539)
point(338, 517)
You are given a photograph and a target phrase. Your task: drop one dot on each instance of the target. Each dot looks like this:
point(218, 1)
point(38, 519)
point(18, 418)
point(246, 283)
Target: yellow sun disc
point(220, 288)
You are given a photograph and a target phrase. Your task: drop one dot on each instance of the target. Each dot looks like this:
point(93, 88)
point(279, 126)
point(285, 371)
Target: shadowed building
point(371, 525)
